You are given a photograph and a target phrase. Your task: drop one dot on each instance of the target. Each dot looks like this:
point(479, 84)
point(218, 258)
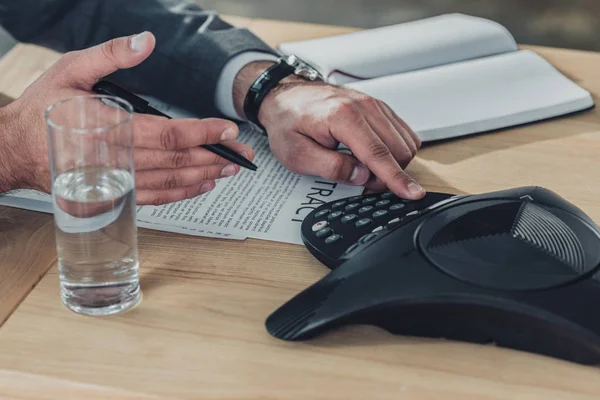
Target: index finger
point(154, 132)
point(373, 152)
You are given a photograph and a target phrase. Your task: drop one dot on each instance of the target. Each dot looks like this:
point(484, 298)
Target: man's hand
point(170, 165)
point(306, 122)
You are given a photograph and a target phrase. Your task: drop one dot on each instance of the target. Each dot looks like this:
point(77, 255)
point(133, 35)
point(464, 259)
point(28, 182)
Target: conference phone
point(518, 268)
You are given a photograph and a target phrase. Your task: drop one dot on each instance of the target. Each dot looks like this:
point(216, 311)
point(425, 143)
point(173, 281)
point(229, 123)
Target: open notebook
point(446, 76)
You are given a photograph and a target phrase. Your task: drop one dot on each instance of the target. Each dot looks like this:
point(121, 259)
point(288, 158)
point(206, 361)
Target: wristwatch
point(285, 66)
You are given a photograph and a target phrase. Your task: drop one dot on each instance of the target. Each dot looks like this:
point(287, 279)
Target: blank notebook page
point(404, 47)
point(478, 95)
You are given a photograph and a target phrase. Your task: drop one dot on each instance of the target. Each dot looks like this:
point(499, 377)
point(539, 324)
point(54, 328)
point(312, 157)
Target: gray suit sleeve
point(193, 46)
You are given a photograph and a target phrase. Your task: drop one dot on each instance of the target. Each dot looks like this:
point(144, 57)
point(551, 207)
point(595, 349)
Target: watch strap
point(261, 88)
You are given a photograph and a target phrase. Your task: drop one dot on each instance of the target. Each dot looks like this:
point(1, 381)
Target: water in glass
point(96, 239)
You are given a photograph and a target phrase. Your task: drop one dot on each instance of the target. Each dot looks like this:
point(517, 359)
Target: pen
point(142, 106)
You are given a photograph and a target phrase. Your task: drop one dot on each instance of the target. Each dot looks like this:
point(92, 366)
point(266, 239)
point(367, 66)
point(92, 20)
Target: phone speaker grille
point(547, 232)
point(522, 221)
point(489, 221)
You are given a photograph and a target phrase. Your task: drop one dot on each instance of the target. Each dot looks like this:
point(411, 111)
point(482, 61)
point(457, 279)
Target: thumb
point(88, 66)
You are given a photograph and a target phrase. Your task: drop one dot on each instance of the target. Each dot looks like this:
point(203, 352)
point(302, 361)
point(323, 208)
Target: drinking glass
point(90, 144)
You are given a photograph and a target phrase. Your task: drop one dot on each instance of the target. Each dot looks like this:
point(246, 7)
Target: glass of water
point(90, 140)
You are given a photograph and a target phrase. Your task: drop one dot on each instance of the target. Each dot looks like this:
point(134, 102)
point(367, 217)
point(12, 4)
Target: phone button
point(363, 222)
point(339, 204)
point(383, 203)
point(353, 206)
point(379, 214)
point(319, 225)
point(352, 248)
point(332, 239)
point(367, 238)
point(335, 215)
point(348, 218)
point(365, 210)
point(397, 207)
point(322, 213)
point(323, 232)
point(443, 203)
point(369, 200)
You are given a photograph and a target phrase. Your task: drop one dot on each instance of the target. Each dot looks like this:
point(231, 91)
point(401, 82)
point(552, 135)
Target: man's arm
point(193, 47)
point(8, 178)
point(195, 67)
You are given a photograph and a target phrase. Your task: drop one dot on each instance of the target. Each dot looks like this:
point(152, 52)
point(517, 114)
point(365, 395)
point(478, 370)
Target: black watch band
point(262, 86)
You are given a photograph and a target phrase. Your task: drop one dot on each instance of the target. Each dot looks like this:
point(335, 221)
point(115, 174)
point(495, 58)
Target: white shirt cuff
point(224, 92)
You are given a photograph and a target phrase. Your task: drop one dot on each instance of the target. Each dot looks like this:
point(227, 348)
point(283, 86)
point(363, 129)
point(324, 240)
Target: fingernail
point(228, 170)
point(138, 42)
point(228, 134)
point(414, 188)
point(360, 175)
point(245, 155)
point(206, 187)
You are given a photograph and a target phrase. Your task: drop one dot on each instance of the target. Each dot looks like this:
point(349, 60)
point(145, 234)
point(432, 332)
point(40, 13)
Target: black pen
point(143, 107)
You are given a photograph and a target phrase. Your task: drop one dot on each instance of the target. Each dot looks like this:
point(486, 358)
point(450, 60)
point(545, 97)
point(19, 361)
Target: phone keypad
point(339, 229)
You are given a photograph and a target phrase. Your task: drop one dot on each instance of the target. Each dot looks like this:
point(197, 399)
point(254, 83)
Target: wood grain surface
point(27, 250)
point(199, 331)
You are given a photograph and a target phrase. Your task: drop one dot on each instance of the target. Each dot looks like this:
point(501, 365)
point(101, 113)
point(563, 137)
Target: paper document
point(266, 204)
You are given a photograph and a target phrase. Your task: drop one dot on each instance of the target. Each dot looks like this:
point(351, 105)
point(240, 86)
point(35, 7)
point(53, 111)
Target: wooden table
point(199, 332)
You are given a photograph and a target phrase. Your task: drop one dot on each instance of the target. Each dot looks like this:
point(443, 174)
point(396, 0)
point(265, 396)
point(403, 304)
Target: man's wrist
point(248, 75)
point(224, 99)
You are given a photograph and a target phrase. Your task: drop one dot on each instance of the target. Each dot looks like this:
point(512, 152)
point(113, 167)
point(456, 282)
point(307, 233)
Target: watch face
point(303, 69)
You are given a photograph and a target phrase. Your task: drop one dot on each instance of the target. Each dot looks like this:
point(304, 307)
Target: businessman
point(198, 62)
